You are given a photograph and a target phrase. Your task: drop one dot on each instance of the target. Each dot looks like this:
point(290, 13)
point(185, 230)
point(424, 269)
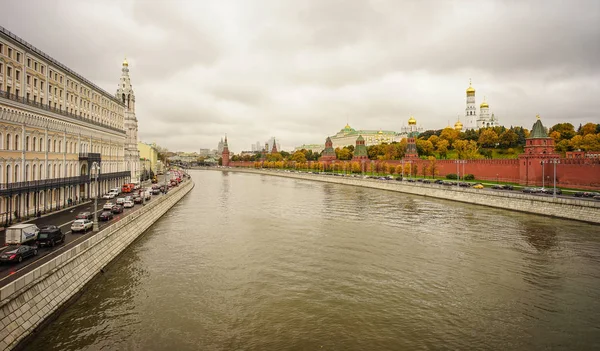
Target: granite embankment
point(26, 302)
point(569, 208)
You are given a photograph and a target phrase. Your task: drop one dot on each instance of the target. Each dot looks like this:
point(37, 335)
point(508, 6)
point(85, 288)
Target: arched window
point(34, 173)
point(27, 143)
point(8, 177)
point(53, 171)
point(34, 145)
point(26, 172)
point(41, 170)
point(8, 141)
point(48, 149)
point(54, 147)
point(17, 142)
point(17, 178)
point(60, 146)
point(1, 144)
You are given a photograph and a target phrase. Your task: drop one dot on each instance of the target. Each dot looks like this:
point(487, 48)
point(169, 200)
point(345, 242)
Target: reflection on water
point(254, 262)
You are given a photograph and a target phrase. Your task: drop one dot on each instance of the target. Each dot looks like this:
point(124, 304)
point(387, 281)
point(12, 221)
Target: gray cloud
point(301, 70)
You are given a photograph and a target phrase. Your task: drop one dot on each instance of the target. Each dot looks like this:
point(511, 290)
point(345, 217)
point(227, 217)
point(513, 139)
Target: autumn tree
point(434, 140)
point(488, 138)
point(442, 148)
point(449, 134)
point(424, 147)
point(566, 130)
point(432, 166)
point(343, 153)
point(508, 139)
point(467, 150)
point(588, 128)
point(298, 156)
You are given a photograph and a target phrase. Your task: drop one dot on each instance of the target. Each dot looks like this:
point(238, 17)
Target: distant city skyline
point(303, 70)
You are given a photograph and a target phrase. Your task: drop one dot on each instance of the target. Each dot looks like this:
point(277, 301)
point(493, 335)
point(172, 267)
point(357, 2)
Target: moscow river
point(254, 262)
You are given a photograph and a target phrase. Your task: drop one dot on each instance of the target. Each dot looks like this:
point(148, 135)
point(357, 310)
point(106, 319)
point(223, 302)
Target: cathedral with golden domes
point(474, 120)
point(348, 135)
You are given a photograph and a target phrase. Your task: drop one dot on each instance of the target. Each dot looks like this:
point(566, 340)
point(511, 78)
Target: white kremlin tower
point(471, 110)
point(125, 94)
point(484, 120)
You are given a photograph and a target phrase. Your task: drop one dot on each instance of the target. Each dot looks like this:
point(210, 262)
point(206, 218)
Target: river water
point(253, 262)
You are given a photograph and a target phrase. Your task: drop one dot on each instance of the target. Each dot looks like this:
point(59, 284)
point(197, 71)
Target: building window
point(29, 62)
point(18, 57)
point(35, 82)
point(33, 146)
point(28, 79)
point(17, 142)
point(8, 141)
point(61, 79)
point(10, 52)
point(1, 68)
point(1, 48)
point(9, 71)
point(35, 66)
point(17, 74)
point(43, 69)
point(27, 143)
point(41, 84)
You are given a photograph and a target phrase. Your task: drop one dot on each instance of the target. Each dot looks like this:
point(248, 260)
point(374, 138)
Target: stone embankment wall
point(29, 300)
point(569, 208)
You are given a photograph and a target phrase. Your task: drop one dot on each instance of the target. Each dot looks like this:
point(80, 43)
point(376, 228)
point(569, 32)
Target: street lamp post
point(554, 161)
point(402, 169)
point(542, 162)
point(96, 169)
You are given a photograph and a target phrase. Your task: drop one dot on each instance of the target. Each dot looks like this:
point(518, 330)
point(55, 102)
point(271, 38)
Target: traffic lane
point(10, 272)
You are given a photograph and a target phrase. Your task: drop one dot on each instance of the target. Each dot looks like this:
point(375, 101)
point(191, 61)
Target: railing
point(92, 156)
point(16, 187)
point(114, 175)
point(24, 100)
point(58, 64)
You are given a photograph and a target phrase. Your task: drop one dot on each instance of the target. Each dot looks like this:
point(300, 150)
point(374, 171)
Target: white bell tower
point(130, 125)
point(471, 110)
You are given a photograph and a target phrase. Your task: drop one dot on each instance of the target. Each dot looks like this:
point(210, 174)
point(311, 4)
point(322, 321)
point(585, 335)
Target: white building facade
point(127, 97)
point(472, 118)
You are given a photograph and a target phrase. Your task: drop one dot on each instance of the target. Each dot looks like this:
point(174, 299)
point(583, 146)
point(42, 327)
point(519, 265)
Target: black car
point(117, 209)
point(590, 194)
point(426, 181)
point(155, 191)
point(497, 187)
point(578, 194)
point(410, 180)
point(137, 199)
point(106, 216)
point(438, 181)
point(550, 191)
point(85, 215)
point(464, 184)
point(507, 187)
point(16, 253)
point(50, 235)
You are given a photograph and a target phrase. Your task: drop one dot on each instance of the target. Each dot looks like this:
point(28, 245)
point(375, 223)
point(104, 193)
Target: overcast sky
point(300, 70)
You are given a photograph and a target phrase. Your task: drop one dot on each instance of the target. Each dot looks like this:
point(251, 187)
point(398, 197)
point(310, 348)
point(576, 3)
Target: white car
point(108, 206)
point(108, 196)
point(128, 204)
point(82, 225)
point(120, 201)
point(128, 198)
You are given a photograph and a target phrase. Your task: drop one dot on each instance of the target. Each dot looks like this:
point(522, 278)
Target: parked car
point(497, 187)
point(120, 201)
point(108, 206)
point(85, 215)
point(426, 181)
point(590, 194)
point(507, 187)
point(550, 191)
point(438, 181)
point(410, 180)
point(464, 184)
point(117, 209)
point(530, 190)
point(106, 216)
point(81, 225)
point(16, 253)
point(50, 235)
point(579, 194)
point(128, 204)
point(597, 197)
point(138, 199)
point(478, 186)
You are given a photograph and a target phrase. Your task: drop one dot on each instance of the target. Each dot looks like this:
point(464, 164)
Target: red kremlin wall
point(570, 173)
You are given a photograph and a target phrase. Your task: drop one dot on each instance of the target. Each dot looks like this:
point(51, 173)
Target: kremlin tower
point(471, 110)
point(411, 146)
point(225, 154)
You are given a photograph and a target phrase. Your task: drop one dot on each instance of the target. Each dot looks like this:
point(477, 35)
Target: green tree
point(343, 153)
point(508, 139)
point(434, 140)
point(449, 134)
point(470, 134)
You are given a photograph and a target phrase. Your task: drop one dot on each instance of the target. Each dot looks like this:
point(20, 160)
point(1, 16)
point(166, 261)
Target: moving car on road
point(108, 206)
point(109, 196)
point(106, 216)
point(50, 235)
point(128, 204)
point(117, 209)
point(16, 253)
point(81, 225)
point(138, 199)
point(120, 201)
point(478, 186)
point(85, 215)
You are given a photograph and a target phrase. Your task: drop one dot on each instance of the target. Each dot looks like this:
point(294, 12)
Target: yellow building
point(149, 157)
point(55, 125)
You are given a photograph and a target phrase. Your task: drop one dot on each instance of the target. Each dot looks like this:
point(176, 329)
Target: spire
point(538, 130)
point(225, 142)
point(125, 63)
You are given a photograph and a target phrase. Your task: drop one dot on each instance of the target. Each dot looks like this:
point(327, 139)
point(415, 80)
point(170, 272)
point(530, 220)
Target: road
point(10, 272)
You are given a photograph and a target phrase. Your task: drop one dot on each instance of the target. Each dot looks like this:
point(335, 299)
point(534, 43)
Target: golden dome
point(412, 121)
point(125, 63)
point(458, 125)
point(470, 89)
point(347, 126)
point(484, 104)
point(380, 132)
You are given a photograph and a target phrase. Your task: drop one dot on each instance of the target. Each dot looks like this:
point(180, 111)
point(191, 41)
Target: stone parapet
point(575, 209)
